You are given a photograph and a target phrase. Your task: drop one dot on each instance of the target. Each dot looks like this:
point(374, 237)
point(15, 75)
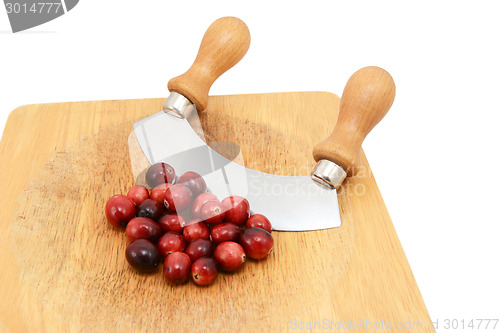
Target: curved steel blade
point(292, 203)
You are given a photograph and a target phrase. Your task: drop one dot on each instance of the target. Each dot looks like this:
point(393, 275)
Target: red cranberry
point(138, 194)
point(119, 210)
point(150, 209)
point(143, 228)
point(200, 201)
point(177, 197)
point(236, 208)
point(196, 230)
point(204, 271)
point(194, 182)
point(257, 242)
point(199, 248)
point(172, 222)
point(159, 173)
point(259, 221)
point(226, 232)
point(230, 256)
point(176, 268)
point(158, 193)
point(212, 213)
point(171, 242)
point(143, 255)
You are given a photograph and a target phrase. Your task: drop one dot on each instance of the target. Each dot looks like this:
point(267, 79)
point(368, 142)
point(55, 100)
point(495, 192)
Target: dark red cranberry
point(171, 242)
point(259, 221)
point(159, 173)
point(199, 248)
point(212, 213)
point(143, 255)
point(150, 209)
point(176, 268)
point(204, 271)
point(196, 230)
point(194, 182)
point(257, 242)
point(230, 256)
point(119, 210)
point(224, 232)
point(236, 208)
point(143, 228)
point(138, 194)
point(172, 222)
point(158, 193)
point(177, 198)
point(200, 201)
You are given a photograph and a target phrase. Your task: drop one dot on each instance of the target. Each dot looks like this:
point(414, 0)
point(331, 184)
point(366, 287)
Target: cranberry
point(212, 213)
point(143, 255)
point(199, 248)
point(119, 210)
point(143, 228)
point(150, 209)
point(158, 193)
point(230, 256)
point(195, 230)
point(204, 271)
point(259, 221)
point(159, 173)
point(176, 268)
point(171, 242)
point(200, 201)
point(257, 242)
point(236, 208)
point(194, 182)
point(172, 222)
point(177, 197)
point(138, 194)
point(226, 232)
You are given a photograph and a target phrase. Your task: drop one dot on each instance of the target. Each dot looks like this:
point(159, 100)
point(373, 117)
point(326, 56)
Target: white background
point(435, 155)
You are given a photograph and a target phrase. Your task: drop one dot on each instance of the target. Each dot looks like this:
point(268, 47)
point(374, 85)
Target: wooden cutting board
point(64, 267)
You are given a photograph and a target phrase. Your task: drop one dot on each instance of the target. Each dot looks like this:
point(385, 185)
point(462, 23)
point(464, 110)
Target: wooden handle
point(367, 97)
point(224, 44)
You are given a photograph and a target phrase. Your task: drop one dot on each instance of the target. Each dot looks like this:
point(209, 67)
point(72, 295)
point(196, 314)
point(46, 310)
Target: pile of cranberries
point(189, 229)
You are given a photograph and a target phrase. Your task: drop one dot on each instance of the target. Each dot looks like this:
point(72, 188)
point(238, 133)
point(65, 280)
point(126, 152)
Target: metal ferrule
point(328, 174)
point(178, 105)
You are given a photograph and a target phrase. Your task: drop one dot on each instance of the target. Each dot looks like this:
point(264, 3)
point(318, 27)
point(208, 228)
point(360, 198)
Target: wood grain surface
point(64, 266)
